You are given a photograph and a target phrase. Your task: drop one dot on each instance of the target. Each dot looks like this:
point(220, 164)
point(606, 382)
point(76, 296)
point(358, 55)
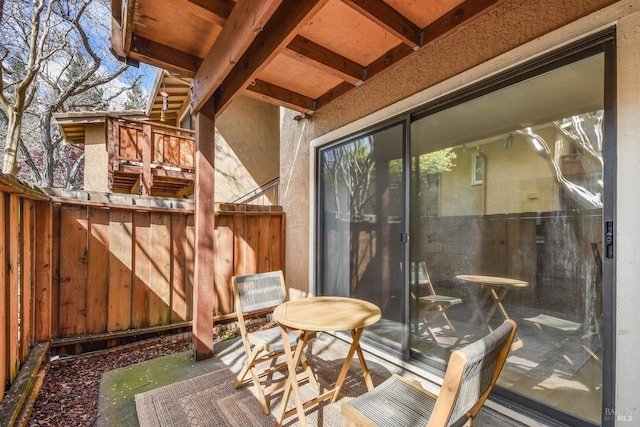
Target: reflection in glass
point(522, 238)
point(361, 208)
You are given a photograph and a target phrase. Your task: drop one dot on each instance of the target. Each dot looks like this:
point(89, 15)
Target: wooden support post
point(204, 228)
point(146, 160)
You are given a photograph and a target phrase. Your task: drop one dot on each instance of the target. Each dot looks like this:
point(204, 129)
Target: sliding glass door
point(361, 206)
point(505, 213)
point(506, 221)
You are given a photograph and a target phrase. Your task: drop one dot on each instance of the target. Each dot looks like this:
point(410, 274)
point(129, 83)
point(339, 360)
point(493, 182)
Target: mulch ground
point(69, 394)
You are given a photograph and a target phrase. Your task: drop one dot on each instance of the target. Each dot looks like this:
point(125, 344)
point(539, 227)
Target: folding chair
point(471, 374)
point(430, 305)
point(260, 294)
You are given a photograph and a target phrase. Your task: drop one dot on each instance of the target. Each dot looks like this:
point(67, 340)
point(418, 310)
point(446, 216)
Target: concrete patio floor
point(116, 404)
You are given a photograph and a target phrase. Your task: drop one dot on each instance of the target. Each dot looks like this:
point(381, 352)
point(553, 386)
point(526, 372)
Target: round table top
point(493, 281)
point(326, 314)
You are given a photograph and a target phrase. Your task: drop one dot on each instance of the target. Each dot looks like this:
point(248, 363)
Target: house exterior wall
point(536, 188)
point(519, 30)
point(247, 147)
point(96, 159)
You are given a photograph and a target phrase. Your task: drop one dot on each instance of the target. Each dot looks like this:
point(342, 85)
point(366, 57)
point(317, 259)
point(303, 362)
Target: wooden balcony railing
point(150, 159)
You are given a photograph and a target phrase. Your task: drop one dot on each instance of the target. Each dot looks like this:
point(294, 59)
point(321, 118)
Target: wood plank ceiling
point(300, 54)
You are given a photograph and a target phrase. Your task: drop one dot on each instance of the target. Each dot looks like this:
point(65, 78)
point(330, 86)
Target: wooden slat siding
point(120, 253)
point(32, 272)
point(252, 241)
point(147, 177)
point(26, 270)
point(264, 243)
point(239, 229)
point(158, 148)
point(43, 271)
point(13, 233)
point(73, 270)
point(160, 279)
point(165, 149)
point(186, 153)
point(172, 151)
point(55, 265)
point(179, 307)
point(277, 242)
point(190, 264)
point(224, 256)
point(4, 318)
point(130, 143)
point(142, 260)
point(98, 270)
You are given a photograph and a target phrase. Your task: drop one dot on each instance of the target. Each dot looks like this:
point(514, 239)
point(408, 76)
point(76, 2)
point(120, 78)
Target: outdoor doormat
point(207, 400)
point(211, 399)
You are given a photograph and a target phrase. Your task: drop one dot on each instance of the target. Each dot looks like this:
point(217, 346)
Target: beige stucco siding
point(96, 160)
point(247, 147)
point(512, 33)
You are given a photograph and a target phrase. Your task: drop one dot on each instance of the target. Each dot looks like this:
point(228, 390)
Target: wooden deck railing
point(150, 157)
point(99, 269)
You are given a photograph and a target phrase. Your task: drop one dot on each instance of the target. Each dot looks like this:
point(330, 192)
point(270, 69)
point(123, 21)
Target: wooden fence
point(80, 269)
point(24, 214)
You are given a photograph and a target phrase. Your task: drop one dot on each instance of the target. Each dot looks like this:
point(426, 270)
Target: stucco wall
point(512, 33)
point(247, 147)
point(96, 160)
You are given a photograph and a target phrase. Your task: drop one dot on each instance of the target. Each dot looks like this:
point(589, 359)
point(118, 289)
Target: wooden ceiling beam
point(277, 33)
point(386, 61)
point(390, 19)
point(280, 96)
point(117, 49)
point(326, 60)
point(245, 22)
point(456, 18)
point(127, 11)
point(164, 56)
point(116, 10)
point(215, 11)
point(448, 23)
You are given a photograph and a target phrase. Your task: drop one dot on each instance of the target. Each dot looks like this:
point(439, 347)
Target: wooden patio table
point(496, 290)
point(322, 314)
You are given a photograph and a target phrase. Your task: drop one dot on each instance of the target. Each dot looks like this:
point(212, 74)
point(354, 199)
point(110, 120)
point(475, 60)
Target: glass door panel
point(361, 219)
point(506, 221)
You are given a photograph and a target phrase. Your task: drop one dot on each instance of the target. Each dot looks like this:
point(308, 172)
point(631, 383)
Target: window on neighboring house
point(477, 169)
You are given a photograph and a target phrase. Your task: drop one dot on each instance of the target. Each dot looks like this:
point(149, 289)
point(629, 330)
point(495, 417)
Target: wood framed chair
point(430, 304)
point(260, 294)
point(470, 376)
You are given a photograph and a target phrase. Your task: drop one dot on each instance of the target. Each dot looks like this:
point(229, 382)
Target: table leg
point(363, 365)
point(496, 297)
point(355, 346)
point(478, 312)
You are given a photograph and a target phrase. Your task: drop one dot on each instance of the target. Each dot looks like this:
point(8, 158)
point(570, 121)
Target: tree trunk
point(9, 163)
point(48, 160)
